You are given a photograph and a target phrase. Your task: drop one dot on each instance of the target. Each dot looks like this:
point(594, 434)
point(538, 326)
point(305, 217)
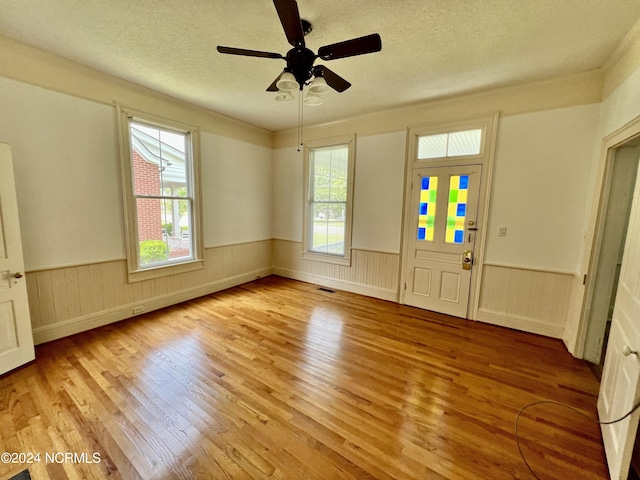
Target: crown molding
point(624, 61)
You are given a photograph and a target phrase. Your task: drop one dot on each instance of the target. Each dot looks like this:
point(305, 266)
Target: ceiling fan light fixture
point(312, 99)
point(300, 61)
point(318, 86)
point(284, 96)
point(287, 82)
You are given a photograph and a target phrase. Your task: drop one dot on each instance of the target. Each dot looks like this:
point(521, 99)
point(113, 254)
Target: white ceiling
point(430, 48)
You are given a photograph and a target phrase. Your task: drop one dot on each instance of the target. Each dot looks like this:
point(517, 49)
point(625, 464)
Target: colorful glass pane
point(427, 208)
point(457, 209)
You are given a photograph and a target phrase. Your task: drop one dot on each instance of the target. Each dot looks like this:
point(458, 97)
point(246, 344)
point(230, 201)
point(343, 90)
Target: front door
point(16, 339)
point(620, 386)
point(444, 205)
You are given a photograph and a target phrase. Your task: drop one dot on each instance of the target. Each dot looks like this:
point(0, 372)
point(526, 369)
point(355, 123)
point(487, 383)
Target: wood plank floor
point(278, 379)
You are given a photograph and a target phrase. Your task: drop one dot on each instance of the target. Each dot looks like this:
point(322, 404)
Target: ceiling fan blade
point(272, 87)
point(248, 53)
point(334, 80)
point(349, 48)
point(290, 19)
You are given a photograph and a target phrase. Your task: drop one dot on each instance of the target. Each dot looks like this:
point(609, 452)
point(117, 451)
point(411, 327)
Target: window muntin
point(427, 208)
point(454, 144)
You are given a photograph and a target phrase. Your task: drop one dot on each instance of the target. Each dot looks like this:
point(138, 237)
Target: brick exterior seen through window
point(147, 182)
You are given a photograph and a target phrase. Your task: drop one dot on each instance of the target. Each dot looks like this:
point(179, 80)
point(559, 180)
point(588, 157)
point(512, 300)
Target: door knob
point(467, 258)
point(18, 275)
point(626, 351)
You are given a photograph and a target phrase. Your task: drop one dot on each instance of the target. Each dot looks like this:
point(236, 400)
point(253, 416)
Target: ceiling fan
point(300, 60)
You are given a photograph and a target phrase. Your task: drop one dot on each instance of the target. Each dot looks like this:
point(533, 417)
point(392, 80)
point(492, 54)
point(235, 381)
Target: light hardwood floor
point(278, 379)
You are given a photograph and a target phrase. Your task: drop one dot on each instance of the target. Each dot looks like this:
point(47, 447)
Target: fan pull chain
point(300, 110)
point(301, 119)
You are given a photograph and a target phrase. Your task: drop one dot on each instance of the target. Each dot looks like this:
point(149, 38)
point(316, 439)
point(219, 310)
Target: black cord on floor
point(551, 402)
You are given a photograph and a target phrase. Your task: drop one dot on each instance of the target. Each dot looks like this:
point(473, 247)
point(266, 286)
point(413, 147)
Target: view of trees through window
point(329, 172)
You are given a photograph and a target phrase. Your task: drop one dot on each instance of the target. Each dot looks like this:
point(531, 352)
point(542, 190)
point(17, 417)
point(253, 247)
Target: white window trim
point(135, 272)
point(345, 259)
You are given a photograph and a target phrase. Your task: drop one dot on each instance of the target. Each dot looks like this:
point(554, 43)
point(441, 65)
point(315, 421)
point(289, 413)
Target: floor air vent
point(327, 290)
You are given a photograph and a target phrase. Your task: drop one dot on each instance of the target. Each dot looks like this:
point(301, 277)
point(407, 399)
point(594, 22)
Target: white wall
point(65, 154)
point(67, 168)
point(287, 194)
point(379, 180)
point(623, 105)
point(541, 188)
point(236, 191)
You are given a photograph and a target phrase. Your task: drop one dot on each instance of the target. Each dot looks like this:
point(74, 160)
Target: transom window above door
point(452, 144)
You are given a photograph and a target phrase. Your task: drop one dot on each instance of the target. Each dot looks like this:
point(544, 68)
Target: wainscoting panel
point(371, 273)
point(69, 300)
point(535, 301)
point(72, 299)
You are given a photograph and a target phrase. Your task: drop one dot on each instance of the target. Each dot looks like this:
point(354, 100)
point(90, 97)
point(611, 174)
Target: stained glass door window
point(457, 209)
point(427, 208)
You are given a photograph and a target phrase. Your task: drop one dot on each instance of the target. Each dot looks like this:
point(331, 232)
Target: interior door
point(16, 339)
point(444, 204)
point(619, 389)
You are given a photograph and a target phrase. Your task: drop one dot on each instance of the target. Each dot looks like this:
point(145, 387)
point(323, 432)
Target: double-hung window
point(329, 167)
point(161, 195)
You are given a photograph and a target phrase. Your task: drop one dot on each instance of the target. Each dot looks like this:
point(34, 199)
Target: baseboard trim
point(519, 322)
point(87, 322)
point(367, 290)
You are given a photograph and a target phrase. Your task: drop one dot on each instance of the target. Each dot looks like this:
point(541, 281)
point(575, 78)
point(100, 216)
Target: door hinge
point(584, 280)
point(405, 286)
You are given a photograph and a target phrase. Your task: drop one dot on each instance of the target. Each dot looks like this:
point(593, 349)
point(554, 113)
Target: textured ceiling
point(430, 48)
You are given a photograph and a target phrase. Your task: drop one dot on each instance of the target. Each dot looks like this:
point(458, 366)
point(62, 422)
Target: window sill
point(319, 257)
point(165, 271)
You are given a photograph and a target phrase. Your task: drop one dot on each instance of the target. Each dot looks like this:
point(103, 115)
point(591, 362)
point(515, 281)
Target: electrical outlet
point(138, 309)
point(502, 231)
